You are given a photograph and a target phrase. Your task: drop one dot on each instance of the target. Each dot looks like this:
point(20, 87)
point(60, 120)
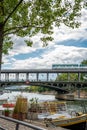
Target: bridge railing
point(17, 124)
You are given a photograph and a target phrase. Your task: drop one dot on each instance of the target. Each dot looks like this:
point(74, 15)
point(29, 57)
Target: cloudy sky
point(69, 46)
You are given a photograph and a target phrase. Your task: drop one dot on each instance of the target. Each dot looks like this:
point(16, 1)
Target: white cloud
point(65, 33)
point(61, 54)
point(52, 53)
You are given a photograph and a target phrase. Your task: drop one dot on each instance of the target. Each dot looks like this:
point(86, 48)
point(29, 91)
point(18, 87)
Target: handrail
point(18, 122)
point(2, 128)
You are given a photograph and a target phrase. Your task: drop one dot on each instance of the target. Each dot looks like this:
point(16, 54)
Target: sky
point(69, 46)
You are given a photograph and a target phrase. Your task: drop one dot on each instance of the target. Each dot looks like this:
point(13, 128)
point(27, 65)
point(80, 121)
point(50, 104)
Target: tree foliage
point(37, 89)
point(84, 62)
point(72, 76)
point(64, 77)
point(30, 17)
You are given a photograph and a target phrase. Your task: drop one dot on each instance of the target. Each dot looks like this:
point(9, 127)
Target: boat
point(55, 114)
point(8, 105)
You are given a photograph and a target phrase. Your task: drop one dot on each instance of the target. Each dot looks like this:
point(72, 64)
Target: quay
point(7, 123)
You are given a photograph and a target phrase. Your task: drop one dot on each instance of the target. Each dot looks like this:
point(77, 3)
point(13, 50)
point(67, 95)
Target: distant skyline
point(69, 46)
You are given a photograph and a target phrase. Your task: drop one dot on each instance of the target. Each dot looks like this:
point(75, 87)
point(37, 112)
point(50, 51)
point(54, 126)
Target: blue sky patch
point(38, 53)
point(76, 43)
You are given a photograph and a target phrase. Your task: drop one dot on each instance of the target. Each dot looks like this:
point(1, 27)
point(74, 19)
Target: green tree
point(84, 75)
point(72, 76)
point(84, 62)
point(64, 77)
point(37, 89)
point(29, 17)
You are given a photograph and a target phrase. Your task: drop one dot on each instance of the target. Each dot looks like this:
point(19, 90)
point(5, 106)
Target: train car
point(57, 66)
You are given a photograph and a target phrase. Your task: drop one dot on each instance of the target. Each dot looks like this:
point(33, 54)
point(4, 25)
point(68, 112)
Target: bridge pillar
point(47, 76)
point(78, 92)
point(68, 76)
point(7, 77)
point(27, 77)
point(0, 76)
point(37, 76)
point(62, 96)
point(17, 76)
point(79, 76)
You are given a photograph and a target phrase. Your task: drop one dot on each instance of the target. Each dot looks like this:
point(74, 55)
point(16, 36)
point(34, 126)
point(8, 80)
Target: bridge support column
point(17, 76)
point(78, 92)
point(27, 77)
point(7, 77)
point(37, 75)
point(0, 76)
point(79, 76)
point(68, 76)
point(47, 76)
point(62, 96)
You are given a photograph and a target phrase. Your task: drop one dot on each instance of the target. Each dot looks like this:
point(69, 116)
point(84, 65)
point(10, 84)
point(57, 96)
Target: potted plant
point(6, 112)
point(33, 109)
point(15, 114)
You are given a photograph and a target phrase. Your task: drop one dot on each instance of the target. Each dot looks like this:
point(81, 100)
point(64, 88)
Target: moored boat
point(55, 114)
point(74, 123)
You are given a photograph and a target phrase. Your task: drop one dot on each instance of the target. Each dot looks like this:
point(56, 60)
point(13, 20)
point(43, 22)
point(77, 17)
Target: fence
point(7, 123)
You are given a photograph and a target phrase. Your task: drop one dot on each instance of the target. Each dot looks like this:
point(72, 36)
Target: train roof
point(66, 64)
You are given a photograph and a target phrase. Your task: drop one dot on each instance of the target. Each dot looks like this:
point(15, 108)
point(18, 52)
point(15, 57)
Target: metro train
point(57, 66)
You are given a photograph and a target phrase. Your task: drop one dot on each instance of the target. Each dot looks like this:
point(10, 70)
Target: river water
point(12, 96)
point(77, 106)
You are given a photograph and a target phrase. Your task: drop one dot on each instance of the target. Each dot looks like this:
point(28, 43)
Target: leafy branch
point(12, 11)
point(20, 27)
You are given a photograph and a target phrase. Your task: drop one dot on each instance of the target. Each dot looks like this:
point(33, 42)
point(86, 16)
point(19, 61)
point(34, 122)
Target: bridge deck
point(59, 70)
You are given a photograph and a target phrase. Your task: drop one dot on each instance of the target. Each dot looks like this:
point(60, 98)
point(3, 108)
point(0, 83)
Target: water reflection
point(77, 106)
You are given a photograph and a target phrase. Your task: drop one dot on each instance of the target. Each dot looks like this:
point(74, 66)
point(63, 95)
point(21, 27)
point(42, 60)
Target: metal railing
point(18, 123)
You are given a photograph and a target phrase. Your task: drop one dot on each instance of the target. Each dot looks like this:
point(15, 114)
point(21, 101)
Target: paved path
point(11, 126)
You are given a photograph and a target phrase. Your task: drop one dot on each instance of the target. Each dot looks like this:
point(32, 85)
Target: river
point(11, 96)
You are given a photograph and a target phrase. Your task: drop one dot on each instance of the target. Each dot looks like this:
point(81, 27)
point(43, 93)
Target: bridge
point(42, 77)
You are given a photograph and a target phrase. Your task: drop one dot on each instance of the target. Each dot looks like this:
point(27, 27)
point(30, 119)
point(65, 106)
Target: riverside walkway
point(10, 125)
